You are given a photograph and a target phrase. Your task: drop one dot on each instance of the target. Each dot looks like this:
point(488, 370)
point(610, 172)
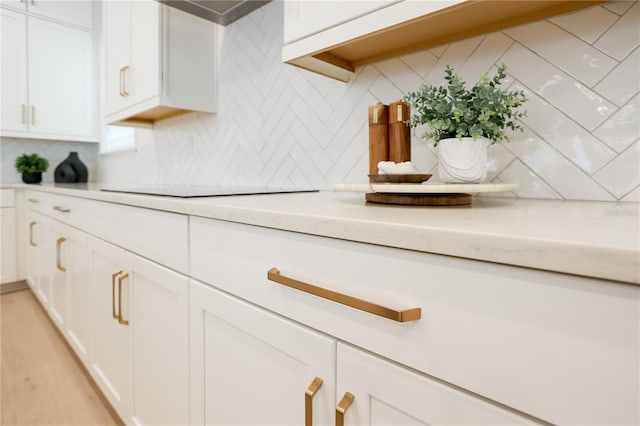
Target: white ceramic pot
point(462, 160)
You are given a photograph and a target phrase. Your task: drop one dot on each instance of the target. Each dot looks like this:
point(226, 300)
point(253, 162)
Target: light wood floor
point(41, 380)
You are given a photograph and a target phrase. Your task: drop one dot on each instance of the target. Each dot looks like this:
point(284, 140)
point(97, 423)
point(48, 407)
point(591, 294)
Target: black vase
point(35, 177)
point(64, 173)
point(71, 170)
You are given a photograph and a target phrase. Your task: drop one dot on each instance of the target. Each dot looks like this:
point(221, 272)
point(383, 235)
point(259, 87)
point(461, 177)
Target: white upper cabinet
point(48, 78)
point(160, 62)
point(61, 81)
point(303, 18)
point(14, 72)
point(333, 38)
point(78, 13)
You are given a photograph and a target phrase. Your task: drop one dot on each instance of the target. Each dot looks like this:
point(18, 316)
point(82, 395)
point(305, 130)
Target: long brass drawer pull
point(62, 209)
point(342, 407)
point(33, 200)
point(120, 279)
point(308, 400)
point(401, 316)
point(113, 293)
point(31, 225)
point(59, 242)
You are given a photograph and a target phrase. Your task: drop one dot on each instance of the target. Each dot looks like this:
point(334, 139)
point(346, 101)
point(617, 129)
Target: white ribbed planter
point(462, 160)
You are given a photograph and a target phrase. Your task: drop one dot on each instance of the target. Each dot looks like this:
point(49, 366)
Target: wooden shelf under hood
point(339, 58)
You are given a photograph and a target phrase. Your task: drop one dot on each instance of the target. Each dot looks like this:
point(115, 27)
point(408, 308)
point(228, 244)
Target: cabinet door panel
point(142, 77)
point(117, 51)
point(14, 71)
point(160, 325)
point(56, 259)
point(78, 264)
point(36, 252)
point(386, 394)
point(60, 73)
point(112, 343)
point(8, 247)
point(252, 367)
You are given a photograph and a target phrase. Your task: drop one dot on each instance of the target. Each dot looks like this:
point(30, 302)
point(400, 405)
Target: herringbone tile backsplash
point(281, 126)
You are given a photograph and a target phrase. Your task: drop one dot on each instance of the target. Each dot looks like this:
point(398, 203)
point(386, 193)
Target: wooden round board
point(419, 199)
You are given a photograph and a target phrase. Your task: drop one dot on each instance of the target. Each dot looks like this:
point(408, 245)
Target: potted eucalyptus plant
point(464, 122)
point(31, 166)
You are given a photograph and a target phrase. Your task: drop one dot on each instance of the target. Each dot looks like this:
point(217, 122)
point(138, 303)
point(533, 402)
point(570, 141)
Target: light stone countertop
point(593, 239)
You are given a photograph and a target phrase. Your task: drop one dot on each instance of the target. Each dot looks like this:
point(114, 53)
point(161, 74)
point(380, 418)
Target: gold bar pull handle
point(113, 293)
point(33, 114)
point(120, 279)
point(342, 407)
point(31, 225)
point(124, 81)
point(59, 242)
point(308, 400)
point(33, 200)
point(121, 80)
point(62, 209)
point(24, 114)
point(401, 316)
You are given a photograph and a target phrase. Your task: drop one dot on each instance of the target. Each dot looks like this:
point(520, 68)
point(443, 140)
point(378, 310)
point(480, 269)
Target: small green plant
point(31, 163)
point(453, 111)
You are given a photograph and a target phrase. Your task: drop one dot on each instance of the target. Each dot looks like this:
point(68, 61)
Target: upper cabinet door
point(78, 13)
point(117, 47)
point(14, 71)
point(303, 18)
point(61, 83)
point(142, 78)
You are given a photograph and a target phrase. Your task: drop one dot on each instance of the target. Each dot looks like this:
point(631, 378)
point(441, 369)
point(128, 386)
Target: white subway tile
point(623, 128)
point(633, 196)
point(529, 184)
point(623, 36)
point(498, 157)
point(574, 142)
point(565, 51)
point(561, 174)
point(619, 7)
point(455, 55)
point(570, 96)
point(622, 175)
point(588, 24)
point(484, 57)
point(404, 78)
point(623, 82)
point(420, 62)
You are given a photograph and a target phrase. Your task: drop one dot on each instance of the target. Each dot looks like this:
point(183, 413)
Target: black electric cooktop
point(191, 191)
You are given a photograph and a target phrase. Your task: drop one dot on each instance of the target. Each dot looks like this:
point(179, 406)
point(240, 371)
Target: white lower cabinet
point(37, 240)
point(251, 367)
point(73, 257)
point(140, 324)
point(386, 394)
point(8, 244)
point(111, 364)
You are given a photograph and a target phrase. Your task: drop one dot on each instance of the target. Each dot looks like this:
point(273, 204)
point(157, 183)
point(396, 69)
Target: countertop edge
point(592, 261)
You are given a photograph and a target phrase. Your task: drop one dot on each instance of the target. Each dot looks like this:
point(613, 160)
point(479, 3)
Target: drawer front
point(156, 235)
point(7, 197)
point(69, 210)
point(561, 348)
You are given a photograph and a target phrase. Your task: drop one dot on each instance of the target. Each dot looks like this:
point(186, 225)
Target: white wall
point(281, 126)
